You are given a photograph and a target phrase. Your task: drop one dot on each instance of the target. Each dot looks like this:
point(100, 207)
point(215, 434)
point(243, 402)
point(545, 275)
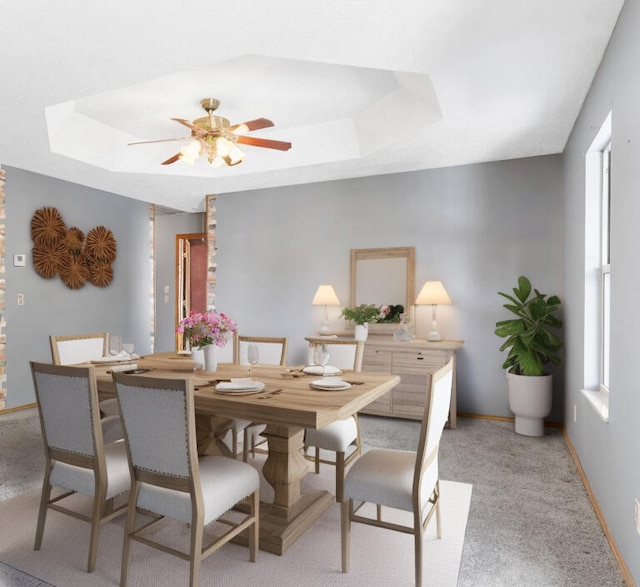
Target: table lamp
point(325, 296)
point(433, 293)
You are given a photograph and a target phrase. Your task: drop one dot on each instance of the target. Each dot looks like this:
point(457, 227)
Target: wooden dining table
point(287, 405)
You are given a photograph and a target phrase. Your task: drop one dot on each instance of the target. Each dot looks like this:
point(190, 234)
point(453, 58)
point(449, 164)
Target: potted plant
point(362, 315)
point(533, 342)
point(207, 331)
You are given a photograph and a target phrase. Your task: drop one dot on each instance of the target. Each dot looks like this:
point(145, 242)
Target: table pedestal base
point(278, 530)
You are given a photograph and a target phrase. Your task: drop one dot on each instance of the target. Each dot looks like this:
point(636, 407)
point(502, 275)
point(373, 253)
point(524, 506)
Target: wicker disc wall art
point(47, 226)
point(68, 253)
point(100, 245)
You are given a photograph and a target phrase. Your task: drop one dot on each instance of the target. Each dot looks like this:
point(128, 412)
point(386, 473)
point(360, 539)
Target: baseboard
point(603, 522)
point(504, 419)
point(18, 408)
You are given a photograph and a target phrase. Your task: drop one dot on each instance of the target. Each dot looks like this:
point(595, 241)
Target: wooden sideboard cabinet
point(414, 361)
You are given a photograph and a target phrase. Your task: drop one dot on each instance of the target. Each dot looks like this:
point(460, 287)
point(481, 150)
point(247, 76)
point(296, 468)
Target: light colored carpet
point(378, 557)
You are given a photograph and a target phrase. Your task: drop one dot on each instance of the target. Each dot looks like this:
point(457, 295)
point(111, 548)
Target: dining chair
point(76, 458)
point(404, 480)
point(168, 478)
point(83, 348)
point(338, 436)
point(272, 350)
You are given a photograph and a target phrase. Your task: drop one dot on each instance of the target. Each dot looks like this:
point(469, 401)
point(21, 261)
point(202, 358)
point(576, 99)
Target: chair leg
point(128, 530)
point(339, 476)
point(345, 526)
point(234, 442)
point(96, 515)
point(317, 459)
point(254, 529)
point(245, 445)
point(42, 512)
point(417, 530)
point(195, 557)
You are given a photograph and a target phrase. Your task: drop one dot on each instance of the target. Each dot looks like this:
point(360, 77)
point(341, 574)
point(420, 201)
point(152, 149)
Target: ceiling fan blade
point(250, 125)
point(193, 127)
point(160, 141)
point(172, 159)
point(267, 143)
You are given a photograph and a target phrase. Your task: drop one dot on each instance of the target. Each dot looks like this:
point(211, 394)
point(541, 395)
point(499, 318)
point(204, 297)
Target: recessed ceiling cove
point(328, 112)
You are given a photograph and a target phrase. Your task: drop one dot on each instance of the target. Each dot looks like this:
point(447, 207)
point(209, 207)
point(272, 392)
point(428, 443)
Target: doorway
point(191, 277)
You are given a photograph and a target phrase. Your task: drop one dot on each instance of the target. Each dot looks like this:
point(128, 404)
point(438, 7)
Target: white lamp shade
point(433, 292)
point(325, 296)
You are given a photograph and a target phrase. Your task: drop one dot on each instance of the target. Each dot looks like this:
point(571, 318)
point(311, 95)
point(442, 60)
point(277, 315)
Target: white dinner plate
point(240, 386)
point(330, 384)
point(320, 370)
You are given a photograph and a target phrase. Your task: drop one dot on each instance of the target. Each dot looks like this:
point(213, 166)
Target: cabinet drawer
point(376, 360)
point(418, 361)
point(410, 395)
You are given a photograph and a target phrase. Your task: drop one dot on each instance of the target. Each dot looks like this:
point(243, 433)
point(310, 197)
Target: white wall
point(476, 228)
point(51, 307)
point(609, 452)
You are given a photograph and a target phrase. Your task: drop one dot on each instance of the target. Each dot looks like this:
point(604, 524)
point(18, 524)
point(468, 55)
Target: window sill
point(599, 401)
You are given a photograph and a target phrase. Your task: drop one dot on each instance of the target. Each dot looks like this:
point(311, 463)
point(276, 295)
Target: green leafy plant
point(533, 336)
point(362, 314)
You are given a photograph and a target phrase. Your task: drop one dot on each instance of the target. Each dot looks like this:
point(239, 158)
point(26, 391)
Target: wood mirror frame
point(399, 261)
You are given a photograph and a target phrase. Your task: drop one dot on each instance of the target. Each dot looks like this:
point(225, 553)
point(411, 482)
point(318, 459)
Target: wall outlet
point(637, 516)
point(20, 299)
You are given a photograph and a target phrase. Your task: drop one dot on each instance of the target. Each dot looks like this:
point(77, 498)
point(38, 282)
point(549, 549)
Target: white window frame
point(597, 271)
point(605, 270)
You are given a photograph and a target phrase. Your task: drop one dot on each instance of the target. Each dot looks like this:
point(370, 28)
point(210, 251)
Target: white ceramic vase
point(361, 332)
point(210, 357)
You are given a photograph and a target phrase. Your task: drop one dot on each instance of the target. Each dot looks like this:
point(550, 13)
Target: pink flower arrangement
point(209, 328)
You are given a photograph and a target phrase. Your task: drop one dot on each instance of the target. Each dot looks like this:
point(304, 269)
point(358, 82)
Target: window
point(598, 270)
point(605, 268)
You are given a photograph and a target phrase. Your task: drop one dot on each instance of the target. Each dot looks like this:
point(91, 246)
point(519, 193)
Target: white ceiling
point(360, 87)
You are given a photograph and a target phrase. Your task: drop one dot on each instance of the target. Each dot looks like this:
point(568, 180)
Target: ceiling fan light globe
point(216, 162)
point(191, 152)
point(240, 129)
point(236, 156)
point(223, 146)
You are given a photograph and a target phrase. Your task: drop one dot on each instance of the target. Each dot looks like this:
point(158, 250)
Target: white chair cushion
point(109, 407)
point(224, 482)
point(336, 437)
point(111, 429)
point(385, 477)
point(82, 480)
point(240, 424)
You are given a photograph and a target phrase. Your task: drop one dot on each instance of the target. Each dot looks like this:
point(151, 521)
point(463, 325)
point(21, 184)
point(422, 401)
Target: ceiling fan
point(215, 137)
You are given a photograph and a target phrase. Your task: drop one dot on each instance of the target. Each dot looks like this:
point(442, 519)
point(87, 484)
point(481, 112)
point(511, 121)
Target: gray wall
point(50, 307)
point(609, 452)
point(476, 228)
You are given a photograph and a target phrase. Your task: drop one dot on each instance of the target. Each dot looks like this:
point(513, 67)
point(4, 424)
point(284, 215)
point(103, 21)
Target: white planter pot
point(530, 399)
point(361, 332)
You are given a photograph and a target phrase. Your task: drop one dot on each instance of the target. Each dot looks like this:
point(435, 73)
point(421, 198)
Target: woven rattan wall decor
point(78, 259)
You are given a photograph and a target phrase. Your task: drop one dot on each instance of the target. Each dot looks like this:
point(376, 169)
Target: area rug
point(378, 556)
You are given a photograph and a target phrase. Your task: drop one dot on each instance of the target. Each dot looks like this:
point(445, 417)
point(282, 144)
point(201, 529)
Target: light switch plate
point(19, 260)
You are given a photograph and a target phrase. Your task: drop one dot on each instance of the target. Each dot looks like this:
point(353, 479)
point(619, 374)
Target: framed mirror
point(383, 276)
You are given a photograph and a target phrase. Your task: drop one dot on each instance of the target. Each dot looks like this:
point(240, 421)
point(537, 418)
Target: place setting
point(330, 384)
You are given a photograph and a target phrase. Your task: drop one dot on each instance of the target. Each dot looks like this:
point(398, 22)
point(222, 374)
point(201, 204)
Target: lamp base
point(325, 330)
point(434, 336)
